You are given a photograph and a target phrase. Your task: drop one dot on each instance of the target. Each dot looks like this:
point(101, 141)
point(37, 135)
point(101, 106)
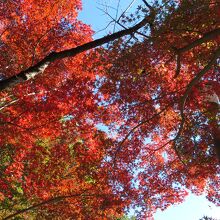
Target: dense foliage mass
point(91, 132)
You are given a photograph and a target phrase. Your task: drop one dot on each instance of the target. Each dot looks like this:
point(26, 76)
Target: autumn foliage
point(91, 131)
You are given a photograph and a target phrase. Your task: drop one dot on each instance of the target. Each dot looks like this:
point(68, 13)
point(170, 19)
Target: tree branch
point(206, 37)
point(46, 202)
point(39, 68)
point(178, 64)
point(192, 83)
point(148, 5)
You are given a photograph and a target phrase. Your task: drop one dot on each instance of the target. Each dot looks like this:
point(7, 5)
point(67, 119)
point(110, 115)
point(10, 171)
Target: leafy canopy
point(154, 87)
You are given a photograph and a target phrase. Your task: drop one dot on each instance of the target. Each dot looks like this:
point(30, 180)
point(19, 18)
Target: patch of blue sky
point(65, 24)
point(193, 208)
point(103, 127)
point(99, 14)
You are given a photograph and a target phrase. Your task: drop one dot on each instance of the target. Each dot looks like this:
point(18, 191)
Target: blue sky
point(195, 206)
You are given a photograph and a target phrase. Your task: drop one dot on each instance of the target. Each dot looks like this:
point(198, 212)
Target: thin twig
point(135, 128)
point(116, 16)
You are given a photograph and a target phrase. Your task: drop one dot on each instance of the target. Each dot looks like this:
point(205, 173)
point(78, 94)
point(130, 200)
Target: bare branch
point(113, 20)
point(148, 5)
point(129, 6)
point(116, 16)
